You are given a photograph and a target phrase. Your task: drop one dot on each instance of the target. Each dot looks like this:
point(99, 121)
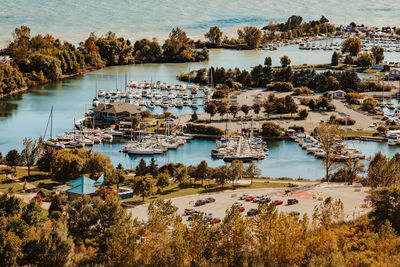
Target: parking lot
point(353, 199)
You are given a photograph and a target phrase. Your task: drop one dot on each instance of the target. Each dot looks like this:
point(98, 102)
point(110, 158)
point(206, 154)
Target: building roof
point(100, 180)
point(82, 181)
point(117, 107)
point(83, 189)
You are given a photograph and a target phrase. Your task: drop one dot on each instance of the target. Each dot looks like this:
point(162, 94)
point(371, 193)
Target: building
point(338, 94)
point(394, 73)
point(83, 186)
point(114, 112)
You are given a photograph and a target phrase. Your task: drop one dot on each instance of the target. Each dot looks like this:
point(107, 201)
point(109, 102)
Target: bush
point(270, 129)
point(303, 114)
point(352, 98)
point(297, 128)
point(203, 129)
point(382, 130)
point(280, 86)
point(218, 94)
point(342, 121)
point(369, 104)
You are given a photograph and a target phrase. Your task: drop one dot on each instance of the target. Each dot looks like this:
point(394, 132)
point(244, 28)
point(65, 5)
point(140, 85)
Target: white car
point(242, 197)
point(238, 203)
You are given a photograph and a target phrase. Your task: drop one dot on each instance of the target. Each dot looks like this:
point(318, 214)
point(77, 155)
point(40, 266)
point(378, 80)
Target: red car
point(215, 220)
point(249, 198)
point(241, 208)
point(277, 202)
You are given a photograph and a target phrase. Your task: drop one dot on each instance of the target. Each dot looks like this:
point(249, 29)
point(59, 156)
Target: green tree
point(285, 61)
point(386, 206)
point(233, 110)
point(369, 103)
point(237, 170)
point(56, 207)
point(31, 152)
point(143, 186)
point(352, 45)
point(268, 61)
point(97, 164)
point(252, 171)
point(335, 59)
point(10, 248)
point(222, 174)
point(270, 129)
point(163, 180)
point(202, 172)
point(245, 109)
point(153, 168)
point(211, 109)
point(256, 108)
point(13, 159)
point(214, 35)
point(365, 60)
point(252, 36)
point(141, 169)
point(33, 214)
point(378, 54)
point(303, 114)
point(181, 175)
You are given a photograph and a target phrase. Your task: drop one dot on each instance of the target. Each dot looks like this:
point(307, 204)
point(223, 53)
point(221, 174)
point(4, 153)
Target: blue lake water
point(73, 20)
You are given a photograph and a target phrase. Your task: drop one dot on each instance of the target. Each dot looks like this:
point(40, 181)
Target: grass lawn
point(174, 191)
point(4, 187)
point(361, 133)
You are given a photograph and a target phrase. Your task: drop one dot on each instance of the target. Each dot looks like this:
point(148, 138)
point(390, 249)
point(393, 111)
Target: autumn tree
point(162, 180)
point(143, 185)
point(214, 35)
point(378, 54)
point(352, 45)
point(252, 171)
point(233, 110)
point(13, 159)
point(251, 36)
point(330, 139)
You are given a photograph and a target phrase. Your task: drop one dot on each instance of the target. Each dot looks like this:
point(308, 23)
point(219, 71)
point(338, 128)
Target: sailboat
point(52, 142)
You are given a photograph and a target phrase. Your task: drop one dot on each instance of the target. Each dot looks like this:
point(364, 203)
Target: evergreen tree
point(335, 59)
point(141, 169)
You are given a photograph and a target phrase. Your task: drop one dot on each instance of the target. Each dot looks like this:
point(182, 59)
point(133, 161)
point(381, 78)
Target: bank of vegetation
point(40, 59)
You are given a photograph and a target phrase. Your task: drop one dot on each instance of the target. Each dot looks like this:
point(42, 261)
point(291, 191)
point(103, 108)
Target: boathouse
point(114, 112)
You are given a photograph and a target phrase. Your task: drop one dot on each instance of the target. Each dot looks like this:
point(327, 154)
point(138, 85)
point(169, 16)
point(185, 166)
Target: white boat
point(101, 93)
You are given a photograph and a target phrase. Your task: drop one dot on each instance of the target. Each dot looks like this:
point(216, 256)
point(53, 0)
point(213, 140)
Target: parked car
point(277, 202)
point(199, 202)
point(252, 212)
point(265, 199)
point(292, 201)
point(209, 200)
point(256, 199)
point(243, 197)
point(241, 208)
point(215, 220)
point(238, 203)
point(294, 213)
point(188, 211)
point(249, 198)
point(208, 217)
point(192, 216)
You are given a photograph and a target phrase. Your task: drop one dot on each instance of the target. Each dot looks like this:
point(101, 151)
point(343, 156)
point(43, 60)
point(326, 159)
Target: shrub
point(352, 98)
point(297, 128)
point(270, 129)
point(382, 130)
point(342, 121)
point(369, 104)
point(303, 114)
point(203, 129)
point(280, 86)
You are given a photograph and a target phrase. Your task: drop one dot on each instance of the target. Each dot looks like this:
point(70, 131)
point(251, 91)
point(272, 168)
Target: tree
point(33, 214)
point(202, 171)
point(335, 59)
point(31, 152)
point(365, 60)
point(384, 171)
point(352, 45)
point(143, 185)
point(252, 171)
point(141, 169)
point(181, 175)
point(163, 179)
point(222, 174)
point(245, 109)
point(211, 109)
point(237, 170)
point(369, 103)
point(222, 110)
point(194, 116)
point(153, 168)
point(251, 36)
point(353, 167)
point(10, 248)
point(378, 54)
point(56, 207)
point(13, 159)
point(118, 177)
point(256, 108)
point(270, 129)
point(54, 248)
point(330, 139)
point(233, 110)
point(214, 35)
point(285, 61)
point(268, 108)
point(386, 202)
point(303, 114)
point(268, 61)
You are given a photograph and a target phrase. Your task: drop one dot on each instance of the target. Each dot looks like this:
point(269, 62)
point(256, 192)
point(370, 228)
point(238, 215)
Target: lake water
point(73, 20)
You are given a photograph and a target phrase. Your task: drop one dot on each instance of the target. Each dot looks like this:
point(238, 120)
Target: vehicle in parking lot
point(252, 212)
point(199, 202)
point(215, 220)
point(292, 201)
point(241, 208)
point(192, 216)
point(256, 199)
point(243, 197)
point(208, 217)
point(209, 200)
point(249, 198)
point(294, 213)
point(238, 203)
point(277, 202)
point(188, 211)
point(265, 199)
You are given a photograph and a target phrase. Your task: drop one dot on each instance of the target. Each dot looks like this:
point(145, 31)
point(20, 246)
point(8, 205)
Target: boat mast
point(51, 122)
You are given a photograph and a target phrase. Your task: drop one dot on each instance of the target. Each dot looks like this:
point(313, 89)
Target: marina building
point(114, 112)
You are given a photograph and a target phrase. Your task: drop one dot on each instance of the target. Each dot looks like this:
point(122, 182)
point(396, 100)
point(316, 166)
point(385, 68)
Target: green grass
point(361, 133)
point(4, 187)
point(174, 190)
